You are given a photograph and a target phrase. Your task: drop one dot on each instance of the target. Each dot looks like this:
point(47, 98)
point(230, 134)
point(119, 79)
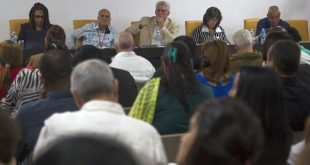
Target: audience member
point(168, 102)
point(284, 57)
point(55, 39)
point(261, 89)
point(140, 68)
point(11, 58)
point(38, 22)
point(9, 138)
point(100, 114)
point(100, 34)
point(222, 131)
point(86, 149)
point(299, 154)
point(210, 29)
point(245, 55)
point(160, 23)
point(55, 72)
point(272, 20)
point(127, 86)
point(215, 67)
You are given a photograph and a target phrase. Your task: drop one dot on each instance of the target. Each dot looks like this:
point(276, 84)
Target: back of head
point(243, 39)
point(216, 59)
point(227, 132)
point(272, 38)
point(86, 150)
point(285, 56)
point(178, 69)
point(294, 33)
point(56, 65)
point(55, 33)
point(9, 137)
point(212, 12)
point(39, 6)
point(87, 52)
point(88, 73)
point(189, 42)
point(258, 83)
point(11, 56)
point(124, 41)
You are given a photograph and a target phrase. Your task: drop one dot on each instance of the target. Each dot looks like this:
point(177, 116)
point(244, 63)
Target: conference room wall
point(62, 12)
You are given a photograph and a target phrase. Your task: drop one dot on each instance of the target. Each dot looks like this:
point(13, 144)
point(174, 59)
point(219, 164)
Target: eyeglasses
point(104, 16)
point(39, 16)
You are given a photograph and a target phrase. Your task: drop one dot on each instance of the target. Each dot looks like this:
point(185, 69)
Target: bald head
point(124, 42)
point(273, 15)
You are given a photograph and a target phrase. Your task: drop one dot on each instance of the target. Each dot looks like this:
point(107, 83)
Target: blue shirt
point(265, 24)
point(220, 89)
point(91, 35)
point(32, 115)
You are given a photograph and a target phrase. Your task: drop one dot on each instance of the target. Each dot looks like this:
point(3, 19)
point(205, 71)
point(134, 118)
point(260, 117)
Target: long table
point(153, 54)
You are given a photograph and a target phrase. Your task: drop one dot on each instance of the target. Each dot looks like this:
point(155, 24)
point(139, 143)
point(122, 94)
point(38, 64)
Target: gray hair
point(163, 3)
point(92, 78)
point(273, 9)
point(124, 40)
point(243, 38)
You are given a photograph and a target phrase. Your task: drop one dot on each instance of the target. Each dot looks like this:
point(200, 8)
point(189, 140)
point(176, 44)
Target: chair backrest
point(171, 144)
point(77, 23)
point(302, 28)
point(250, 23)
point(136, 37)
point(190, 26)
point(15, 25)
point(300, 25)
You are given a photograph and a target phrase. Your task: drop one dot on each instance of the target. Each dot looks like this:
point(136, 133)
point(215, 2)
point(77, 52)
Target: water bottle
point(157, 37)
point(263, 35)
point(13, 37)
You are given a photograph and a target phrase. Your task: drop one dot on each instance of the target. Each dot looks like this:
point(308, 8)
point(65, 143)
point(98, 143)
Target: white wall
point(62, 12)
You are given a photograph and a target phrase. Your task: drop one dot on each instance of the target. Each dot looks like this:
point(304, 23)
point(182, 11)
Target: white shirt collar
point(125, 54)
point(206, 29)
point(102, 105)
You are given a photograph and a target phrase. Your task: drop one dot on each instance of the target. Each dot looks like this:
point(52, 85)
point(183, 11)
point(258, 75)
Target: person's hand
point(160, 21)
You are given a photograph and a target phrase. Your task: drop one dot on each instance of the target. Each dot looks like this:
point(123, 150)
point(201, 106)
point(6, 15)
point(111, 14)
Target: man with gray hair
point(95, 92)
point(156, 29)
point(245, 55)
point(272, 20)
point(126, 59)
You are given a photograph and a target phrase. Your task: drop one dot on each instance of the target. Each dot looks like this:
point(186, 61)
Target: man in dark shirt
point(55, 71)
point(284, 57)
point(272, 20)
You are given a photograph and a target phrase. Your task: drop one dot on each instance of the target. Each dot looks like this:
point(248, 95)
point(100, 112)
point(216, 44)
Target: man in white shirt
point(96, 94)
point(140, 68)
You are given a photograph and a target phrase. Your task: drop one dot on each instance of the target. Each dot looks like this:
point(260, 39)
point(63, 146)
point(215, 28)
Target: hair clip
point(172, 54)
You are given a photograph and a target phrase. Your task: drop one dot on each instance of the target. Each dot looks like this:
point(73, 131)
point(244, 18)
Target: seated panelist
point(210, 29)
point(158, 30)
point(33, 32)
point(100, 34)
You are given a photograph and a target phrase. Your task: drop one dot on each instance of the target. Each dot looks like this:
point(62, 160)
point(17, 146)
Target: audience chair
point(171, 144)
point(250, 23)
point(302, 28)
point(79, 23)
point(190, 26)
point(136, 37)
point(15, 25)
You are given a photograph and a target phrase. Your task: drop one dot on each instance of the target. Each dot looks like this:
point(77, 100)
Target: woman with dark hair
point(168, 102)
point(210, 29)
point(55, 39)
point(38, 23)
point(222, 132)
point(261, 89)
point(215, 67)
point(11, 57)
